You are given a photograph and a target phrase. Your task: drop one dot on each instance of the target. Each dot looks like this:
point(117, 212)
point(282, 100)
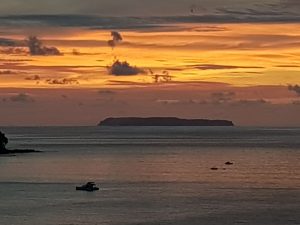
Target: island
point(162, 121)
point(5, 151)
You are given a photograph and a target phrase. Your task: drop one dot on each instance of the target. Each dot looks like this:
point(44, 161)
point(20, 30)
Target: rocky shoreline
point(18, 151)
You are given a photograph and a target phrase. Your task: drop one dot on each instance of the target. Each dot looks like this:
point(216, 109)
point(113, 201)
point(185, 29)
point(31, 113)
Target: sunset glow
point(184, 65)
point(240, 55)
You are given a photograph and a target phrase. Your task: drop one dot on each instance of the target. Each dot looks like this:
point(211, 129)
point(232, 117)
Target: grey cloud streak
point(110, 23)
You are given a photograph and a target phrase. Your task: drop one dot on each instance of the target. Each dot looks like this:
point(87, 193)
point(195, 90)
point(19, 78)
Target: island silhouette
point(162, 121)
point(3, 142)
point(4, 150)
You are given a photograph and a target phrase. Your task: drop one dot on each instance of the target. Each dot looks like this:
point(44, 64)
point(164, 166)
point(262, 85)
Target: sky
point(148, 8)
point(77, 62)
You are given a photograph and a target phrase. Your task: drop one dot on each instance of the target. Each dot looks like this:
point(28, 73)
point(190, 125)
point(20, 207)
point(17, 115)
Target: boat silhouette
point(89, 186)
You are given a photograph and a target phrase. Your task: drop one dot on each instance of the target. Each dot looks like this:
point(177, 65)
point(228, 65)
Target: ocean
point(151, 176)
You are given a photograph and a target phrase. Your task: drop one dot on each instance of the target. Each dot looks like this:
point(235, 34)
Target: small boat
point(89, 186)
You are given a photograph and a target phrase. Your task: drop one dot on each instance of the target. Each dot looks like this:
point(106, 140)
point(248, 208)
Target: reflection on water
point(152, 176)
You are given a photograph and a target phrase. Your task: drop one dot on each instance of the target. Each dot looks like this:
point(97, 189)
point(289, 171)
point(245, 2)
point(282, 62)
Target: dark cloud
point(13, 51)
point(7, 42)
point(163, 77)
point(265, 12)
point(36, 47)
point(22, 97)
point(34, 78)
point(119, 68)
point(116, 36)
point(294, 88)
point(8, 72)
point(93, 22)
point(116, 39)
point(209, 29)
point(64, 81)
point(12, 47)
point(120, 23)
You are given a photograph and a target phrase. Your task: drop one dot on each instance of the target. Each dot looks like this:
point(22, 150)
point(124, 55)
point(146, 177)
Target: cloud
point(36, 47)
point(116, 39)
point(212, 102)
point(119, 68)
point(116, 36)
point(204, 84)
point(111, 43)
point(109, 23)
point(93, 22)
point(294, 88)
point(266, 11)
point(64, 81)
point(8, 72)
point(223, 67)
point(222, 97)
point(13, 51)
point(76, 52)
point(34, 78)
point(165, 77)
point(184, 102)
point(250, 102)
point(7, 42)
point(22, 97)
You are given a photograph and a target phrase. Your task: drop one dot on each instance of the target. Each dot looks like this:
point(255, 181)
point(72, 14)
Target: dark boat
point(214, 168)
point(89, 186)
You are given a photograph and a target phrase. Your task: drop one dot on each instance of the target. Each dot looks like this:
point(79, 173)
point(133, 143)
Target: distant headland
point(5, 151)
point(162, 121)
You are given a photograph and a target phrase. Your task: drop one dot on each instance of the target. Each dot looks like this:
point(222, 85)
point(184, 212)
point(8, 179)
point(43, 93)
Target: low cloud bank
point(295, 88)
point(36, 47)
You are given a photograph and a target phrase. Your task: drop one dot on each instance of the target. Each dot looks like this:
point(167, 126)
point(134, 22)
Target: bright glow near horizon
point(211, 67)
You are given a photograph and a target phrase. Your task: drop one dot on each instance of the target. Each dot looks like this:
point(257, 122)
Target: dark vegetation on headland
point(162, 121)
point(4, 150)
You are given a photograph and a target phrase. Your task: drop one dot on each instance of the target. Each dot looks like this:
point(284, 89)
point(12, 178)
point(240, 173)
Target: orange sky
point(211, 68)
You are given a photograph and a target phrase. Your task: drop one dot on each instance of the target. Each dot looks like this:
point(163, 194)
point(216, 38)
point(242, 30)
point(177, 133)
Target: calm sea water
point(152, 176)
